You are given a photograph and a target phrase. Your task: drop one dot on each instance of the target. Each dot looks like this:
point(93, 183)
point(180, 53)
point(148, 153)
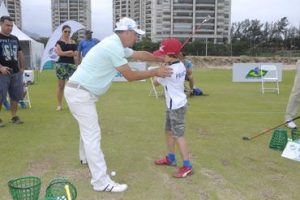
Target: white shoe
point(83, 162)
point(112, 187)
point(291, 125)
point(59, 108)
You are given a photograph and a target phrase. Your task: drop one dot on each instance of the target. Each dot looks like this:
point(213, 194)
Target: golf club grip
point(67, 188)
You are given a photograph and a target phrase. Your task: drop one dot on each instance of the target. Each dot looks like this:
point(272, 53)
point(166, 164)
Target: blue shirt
point(85, 45)
point(188, 64)
point(98, 67)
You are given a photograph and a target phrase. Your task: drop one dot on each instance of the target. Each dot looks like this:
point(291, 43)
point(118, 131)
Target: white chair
point(269, 75)
point(153, 89)
point(26, 81)
point(27, 96)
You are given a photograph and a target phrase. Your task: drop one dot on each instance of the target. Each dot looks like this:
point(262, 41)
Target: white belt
point(77, 86)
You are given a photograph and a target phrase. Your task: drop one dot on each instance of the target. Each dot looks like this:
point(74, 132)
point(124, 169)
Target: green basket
point(295, 134)
point(25, 188)
point(279, 139)
point(56, 189)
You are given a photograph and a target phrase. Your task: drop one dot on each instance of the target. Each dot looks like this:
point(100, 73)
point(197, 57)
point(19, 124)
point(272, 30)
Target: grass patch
point(226, 167)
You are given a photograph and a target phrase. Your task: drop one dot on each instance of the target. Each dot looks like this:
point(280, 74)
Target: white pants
point(294, 99)
point(82, 105)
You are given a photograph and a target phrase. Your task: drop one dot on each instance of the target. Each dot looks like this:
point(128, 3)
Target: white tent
point(32, 49)
point(49, 55)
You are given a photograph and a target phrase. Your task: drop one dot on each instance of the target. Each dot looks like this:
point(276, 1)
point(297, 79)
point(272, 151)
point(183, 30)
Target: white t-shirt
point(98, 67)
point(174, 86)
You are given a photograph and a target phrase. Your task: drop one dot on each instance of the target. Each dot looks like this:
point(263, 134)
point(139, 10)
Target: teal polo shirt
point(98, 68)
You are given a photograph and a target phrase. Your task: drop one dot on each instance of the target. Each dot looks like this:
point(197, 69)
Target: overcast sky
point(37, 14)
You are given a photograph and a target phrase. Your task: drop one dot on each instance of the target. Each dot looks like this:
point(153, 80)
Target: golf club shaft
point(265, 131)
point(192, 33)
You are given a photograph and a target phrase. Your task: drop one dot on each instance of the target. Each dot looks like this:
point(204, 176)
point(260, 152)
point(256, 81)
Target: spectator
point(189, 71)
point(294, 99)
point(66, 49)
point(91, 80)
point(11, 68)
point(86, 44)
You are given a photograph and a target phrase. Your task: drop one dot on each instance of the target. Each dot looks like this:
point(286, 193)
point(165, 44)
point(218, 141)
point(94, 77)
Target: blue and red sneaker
point(183, 172)
point(165, 161)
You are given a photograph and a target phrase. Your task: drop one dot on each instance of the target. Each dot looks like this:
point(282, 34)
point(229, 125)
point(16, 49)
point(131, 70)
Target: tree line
point(248, 37)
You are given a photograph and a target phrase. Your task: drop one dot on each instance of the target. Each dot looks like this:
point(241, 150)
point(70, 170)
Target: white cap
point(127, 24)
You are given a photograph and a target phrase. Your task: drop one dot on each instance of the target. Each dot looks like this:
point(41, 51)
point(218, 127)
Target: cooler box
point(28, 76)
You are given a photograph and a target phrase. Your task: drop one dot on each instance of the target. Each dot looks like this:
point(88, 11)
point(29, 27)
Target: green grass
point(226, 167)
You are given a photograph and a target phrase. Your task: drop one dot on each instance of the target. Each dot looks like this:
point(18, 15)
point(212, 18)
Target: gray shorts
point(175, 121)
point(13, 84)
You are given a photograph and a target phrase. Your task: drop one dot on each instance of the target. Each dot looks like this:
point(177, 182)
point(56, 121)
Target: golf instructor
point(92, 79)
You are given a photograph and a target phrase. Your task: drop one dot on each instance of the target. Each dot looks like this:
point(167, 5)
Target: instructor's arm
point(146, 56)
point(131, 75)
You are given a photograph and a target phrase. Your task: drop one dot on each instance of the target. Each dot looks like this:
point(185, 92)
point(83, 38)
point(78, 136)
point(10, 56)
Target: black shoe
point(1, 123)
point(83, 162)
point(16, 120)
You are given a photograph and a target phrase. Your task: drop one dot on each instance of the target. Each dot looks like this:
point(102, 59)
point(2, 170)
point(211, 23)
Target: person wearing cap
point(176, 106)
point(92, 79)
point(86, 44)
point(189, 71)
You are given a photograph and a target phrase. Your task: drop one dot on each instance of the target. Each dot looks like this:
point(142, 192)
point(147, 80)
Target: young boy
point(176, 107)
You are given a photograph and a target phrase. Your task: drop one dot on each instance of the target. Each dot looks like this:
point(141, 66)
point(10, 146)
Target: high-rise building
point(14, 10)
point(178, 18)
point(77, 10)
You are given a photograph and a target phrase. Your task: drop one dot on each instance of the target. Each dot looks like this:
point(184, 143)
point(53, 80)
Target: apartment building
point(178, 18)
point(14, 10)
point(77, 10)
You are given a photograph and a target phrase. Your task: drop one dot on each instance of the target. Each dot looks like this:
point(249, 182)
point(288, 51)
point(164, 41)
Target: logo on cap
point(170, 46)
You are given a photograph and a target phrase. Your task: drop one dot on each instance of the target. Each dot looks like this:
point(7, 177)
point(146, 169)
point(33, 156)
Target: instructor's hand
point(164, 71)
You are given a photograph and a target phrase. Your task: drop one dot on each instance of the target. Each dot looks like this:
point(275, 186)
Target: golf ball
point(113, 173)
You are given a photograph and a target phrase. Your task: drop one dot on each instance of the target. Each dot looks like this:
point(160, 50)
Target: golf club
point(68, 192)
point(265, 131)
point(197, 28)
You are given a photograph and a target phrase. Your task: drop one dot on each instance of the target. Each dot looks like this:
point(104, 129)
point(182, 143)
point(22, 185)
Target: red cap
point(171, 46)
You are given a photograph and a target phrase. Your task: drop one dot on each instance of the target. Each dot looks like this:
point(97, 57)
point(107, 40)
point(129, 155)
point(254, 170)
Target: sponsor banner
point(250, 72)
point(49, 54)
